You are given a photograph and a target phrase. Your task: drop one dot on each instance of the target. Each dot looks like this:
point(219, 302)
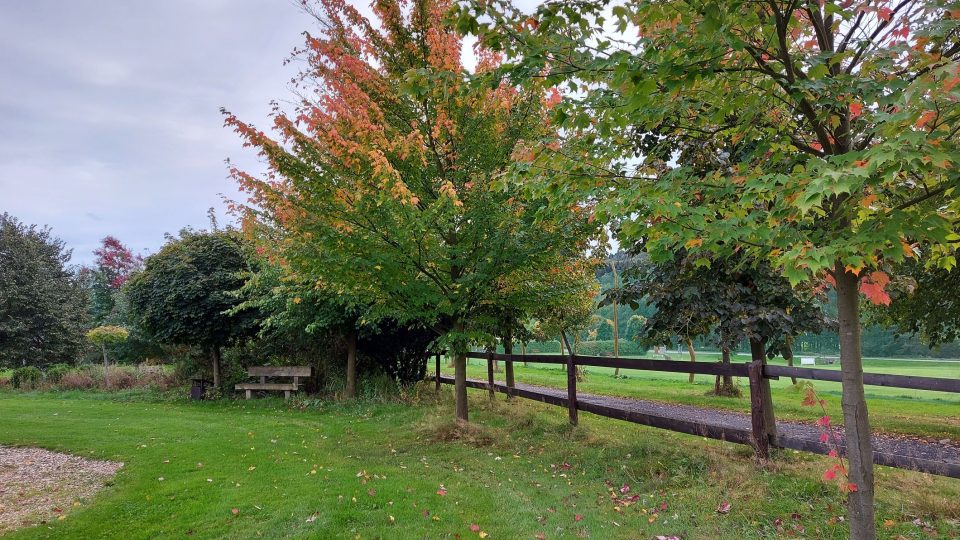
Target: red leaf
point(578, 517)
point(829, 474)
point(723, 508)
point(824, 437)
point(832, 453)
point(823, 421)
point(475, 528)
point(874, 290)
point(851, 486)
point(856, 109)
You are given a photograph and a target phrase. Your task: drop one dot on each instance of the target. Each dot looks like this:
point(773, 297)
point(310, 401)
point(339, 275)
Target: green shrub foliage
point(26, 377)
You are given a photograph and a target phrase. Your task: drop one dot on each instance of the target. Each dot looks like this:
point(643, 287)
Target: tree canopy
point(186, 292)
point(42, 301)
point(386, 179)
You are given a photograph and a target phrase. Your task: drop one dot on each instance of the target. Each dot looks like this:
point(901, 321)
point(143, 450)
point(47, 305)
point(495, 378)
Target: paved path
point(935, 457)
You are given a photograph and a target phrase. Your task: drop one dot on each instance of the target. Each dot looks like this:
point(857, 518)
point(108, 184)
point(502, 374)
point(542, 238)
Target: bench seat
point(275, 371)
point(268, 386)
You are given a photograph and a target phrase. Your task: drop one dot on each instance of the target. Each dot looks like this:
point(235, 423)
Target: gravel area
point(38, 486)
point(937, 456)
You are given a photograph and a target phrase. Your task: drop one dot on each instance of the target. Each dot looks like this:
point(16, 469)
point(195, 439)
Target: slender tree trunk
point(854, 404)
point(351, 390)
point(106, 366)
point(616, 320)
point(460, 374)
point(215, 357)
point(508, 364)
point(723, 385)
point(523, 352)
point(693, 357)
point(788, 354)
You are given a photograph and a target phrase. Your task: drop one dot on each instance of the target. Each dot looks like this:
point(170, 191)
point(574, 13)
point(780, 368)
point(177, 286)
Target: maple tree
point(832, 128)
point(731, 301)
point(385, 179)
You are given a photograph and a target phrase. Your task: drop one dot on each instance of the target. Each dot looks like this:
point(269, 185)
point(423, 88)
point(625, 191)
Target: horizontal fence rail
point(735, 370)
point(645, 364)
point(874, 379)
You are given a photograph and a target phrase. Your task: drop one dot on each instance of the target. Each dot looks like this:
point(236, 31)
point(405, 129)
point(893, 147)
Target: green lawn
point(912, 412)
point(374, 471)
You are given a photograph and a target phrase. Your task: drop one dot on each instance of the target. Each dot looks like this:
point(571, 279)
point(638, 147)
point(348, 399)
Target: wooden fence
point(762, 434)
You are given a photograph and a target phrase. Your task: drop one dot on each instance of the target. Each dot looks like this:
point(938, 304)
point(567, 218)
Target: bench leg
point(286, 395)
point(249, 394)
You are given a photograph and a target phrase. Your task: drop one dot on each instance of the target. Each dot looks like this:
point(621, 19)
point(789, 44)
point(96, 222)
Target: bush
point(119, 379)
point(26, 377)
point(56, 372)
point(77, 379)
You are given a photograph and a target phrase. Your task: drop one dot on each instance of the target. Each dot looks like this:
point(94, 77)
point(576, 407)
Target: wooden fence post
point(571, 382)
point(508, 366)
point(438, 372)
point(490, 373)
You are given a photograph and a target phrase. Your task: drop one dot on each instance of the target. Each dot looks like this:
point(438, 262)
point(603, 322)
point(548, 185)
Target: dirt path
point(936, 457)
point(37, 486)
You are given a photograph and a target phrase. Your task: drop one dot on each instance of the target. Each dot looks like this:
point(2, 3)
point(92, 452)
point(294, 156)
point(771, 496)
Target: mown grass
point(934, 415)
point(368, 470)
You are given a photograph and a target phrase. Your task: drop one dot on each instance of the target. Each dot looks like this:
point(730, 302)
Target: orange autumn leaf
point(694, 242)
point(873, 288)
point(925, 118)
point(856, 109)
point(868, 201)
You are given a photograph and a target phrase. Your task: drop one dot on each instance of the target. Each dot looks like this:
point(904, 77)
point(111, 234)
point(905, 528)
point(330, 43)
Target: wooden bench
point(275, 371)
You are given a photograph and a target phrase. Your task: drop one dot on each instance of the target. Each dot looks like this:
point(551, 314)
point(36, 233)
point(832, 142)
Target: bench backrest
point(279, 371)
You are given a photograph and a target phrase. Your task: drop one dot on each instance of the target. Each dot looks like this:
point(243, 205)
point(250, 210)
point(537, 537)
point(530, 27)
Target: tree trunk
point(758, 353)
point(854, 404)
point(787, 353)
point(215, 356)
point(106, 366)
point(508, 364)
point(523, 353)
point(460, 374)
point(351, 390)
point(693, 357)
point(723, 385)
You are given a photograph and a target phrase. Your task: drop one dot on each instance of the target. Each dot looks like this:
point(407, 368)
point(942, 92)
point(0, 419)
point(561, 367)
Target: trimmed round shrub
point(26, 377)
point(56, 372)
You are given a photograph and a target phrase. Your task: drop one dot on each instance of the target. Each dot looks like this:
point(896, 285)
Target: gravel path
point(937, 457)
point(37, 486)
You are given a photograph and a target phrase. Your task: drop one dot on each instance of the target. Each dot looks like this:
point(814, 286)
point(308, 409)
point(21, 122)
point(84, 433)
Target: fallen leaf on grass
point(578, 517)
point(313, 517)
point(475, 528)
point(235, 511)
point(723, 508)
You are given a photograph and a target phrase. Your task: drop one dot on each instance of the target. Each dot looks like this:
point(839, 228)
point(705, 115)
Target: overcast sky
point(109, 110)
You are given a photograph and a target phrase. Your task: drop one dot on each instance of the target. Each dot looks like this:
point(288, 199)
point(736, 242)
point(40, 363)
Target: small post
point(508, 366)
point(490, 373)
point(571, 382)
point(438, 372)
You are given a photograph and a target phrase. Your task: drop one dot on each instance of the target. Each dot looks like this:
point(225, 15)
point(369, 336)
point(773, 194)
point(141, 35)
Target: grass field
point(911, 412)
point(377, 470)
